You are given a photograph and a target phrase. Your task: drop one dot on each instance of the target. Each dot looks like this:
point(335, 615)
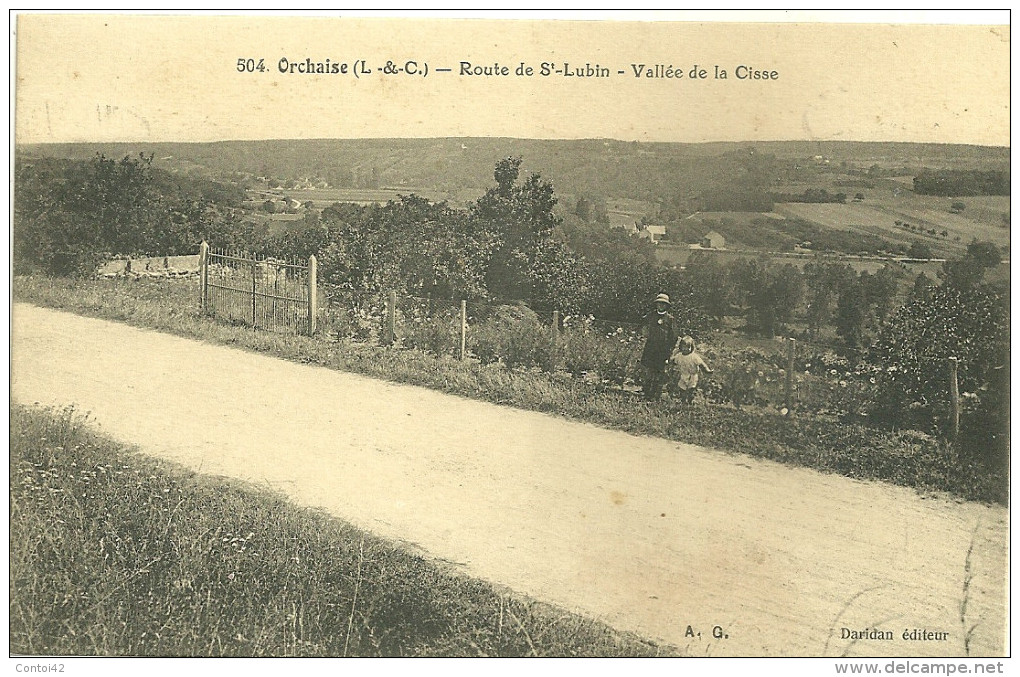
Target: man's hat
point(662, 298)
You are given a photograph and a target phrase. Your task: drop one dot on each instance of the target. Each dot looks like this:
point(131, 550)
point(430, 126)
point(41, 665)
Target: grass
point(117, 554)
point(905, 458)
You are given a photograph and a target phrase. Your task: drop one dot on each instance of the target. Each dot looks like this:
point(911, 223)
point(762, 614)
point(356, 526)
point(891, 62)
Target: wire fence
point(793, 374)
point(284, 296)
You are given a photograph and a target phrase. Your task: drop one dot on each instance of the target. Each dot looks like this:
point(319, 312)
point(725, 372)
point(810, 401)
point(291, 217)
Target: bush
point(353, 317)
point(437, 334)
point(67, 213)
point(580, 352)
point(514, 336)
point(914, 350)
point(613, 356)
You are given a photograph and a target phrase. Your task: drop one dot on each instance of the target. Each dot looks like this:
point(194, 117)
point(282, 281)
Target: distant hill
point(461, 168)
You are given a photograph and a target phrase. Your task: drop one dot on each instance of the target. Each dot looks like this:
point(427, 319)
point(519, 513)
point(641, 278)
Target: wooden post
point(556, 321)
point(954, 399)
point(791, 344)
point(391, 319)
point(313, 287)
point(463, 329)
point(203, 275)
point(276, 292)
point(254, 286)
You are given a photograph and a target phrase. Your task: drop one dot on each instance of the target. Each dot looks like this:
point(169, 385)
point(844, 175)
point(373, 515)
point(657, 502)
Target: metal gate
point(260, 292)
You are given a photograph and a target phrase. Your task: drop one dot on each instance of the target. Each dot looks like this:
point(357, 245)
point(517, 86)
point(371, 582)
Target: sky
point(150, 78)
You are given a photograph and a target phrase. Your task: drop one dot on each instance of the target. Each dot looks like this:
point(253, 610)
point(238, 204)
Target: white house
point(653, 233)
point(713, 240)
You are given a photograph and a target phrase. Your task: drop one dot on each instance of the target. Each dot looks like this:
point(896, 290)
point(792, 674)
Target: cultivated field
point(984, 218)
point(678, 256)
point(863, 219)
point(324, 197)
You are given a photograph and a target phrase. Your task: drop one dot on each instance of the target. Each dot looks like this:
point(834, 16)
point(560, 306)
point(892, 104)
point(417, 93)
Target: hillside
point(459, 168)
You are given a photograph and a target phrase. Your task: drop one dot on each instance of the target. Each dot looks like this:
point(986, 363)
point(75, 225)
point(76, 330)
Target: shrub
point(514, 336)
point(580, 352)
point(914, 350)
point(67, 213)
point(612, 356)
point(437, 334)
point(353, 317)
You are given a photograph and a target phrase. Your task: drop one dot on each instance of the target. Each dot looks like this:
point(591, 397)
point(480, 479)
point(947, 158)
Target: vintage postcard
point(633, 334)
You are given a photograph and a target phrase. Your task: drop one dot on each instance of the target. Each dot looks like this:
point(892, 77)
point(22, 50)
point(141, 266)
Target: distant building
point(713, 240)
point(653, 233)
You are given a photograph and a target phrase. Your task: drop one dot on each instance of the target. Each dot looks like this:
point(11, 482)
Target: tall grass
point(902, 457)
point(116, 554)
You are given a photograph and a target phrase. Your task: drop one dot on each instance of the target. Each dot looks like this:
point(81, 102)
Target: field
point(678, 256)
point(984, 217)
point(745, 217)
point(872, 220)
point(625, 212)
point(324, 197)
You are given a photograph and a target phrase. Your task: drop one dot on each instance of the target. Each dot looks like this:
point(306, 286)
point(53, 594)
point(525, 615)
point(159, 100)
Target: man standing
point(660, 338)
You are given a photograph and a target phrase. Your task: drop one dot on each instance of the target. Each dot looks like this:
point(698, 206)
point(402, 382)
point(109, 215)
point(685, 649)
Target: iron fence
point(261, 292)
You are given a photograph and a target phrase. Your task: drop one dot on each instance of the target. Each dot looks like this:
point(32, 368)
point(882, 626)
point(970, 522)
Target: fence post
point(954, 399)
point(276, 290)
point(313, 287)
point(463, 329)
point(556, 321)
point(791, 349)
point(203, 275)
point(254, 287)
point(391, 319)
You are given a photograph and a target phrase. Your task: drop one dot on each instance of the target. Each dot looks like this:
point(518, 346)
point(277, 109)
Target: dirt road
point(665, 539)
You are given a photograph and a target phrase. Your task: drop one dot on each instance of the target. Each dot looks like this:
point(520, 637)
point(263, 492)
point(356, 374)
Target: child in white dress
point(686, 366)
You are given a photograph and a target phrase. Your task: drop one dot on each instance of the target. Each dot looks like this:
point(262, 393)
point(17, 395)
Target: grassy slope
point(115, 554)
point(904, 458)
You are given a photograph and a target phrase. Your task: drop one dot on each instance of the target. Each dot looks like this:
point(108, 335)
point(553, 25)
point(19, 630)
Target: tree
point(863, 307)
point(825, 283)
point(772, 293)
point(591, 209)
point(583, 209)
point(962, 182)
point(852, 317)
point(970, 324)
point(921, 291)
point(411, 245)
point(920, 250)
point(517, 218)
point(70, 215)
point(984, 253)
point(711, 283)
point(968, 270)
point(881, 291)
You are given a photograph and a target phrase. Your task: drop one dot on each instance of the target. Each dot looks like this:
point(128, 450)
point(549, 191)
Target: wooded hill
point(606, 167)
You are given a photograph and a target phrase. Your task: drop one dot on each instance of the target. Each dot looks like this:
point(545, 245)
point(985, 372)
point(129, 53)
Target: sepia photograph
point(646, 334)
